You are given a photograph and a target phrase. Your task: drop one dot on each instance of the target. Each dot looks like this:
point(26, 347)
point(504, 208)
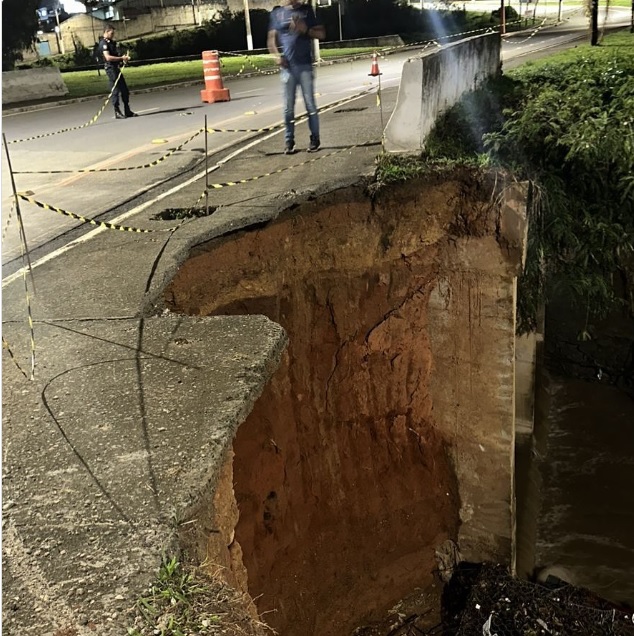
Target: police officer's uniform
point(113, 71)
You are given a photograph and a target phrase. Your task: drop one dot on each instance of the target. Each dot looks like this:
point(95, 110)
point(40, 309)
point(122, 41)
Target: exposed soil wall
point(346, 479)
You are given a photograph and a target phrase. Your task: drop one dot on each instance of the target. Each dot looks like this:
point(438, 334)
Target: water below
point(586, 520)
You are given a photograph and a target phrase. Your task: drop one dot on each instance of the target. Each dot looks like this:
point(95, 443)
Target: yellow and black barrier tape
point(156, 162)
point(248, 61)
point(64, 130)
point(428, 43)
point(535, 31)
point(299, 120)
point(10, 215)
point(30, 316)
point(246, 130)
point(5, 345)
point(227, 184)
point(91, 221)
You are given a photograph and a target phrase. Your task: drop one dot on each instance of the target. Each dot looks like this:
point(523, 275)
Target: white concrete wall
point(431, 84)
point(35, 83)
point(471, 317)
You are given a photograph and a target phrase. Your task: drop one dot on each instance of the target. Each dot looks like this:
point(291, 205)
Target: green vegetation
point(567, 126)
point(183, 601)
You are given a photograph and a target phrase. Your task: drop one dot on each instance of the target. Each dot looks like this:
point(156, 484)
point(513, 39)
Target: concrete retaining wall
point(35, 83)
point(431, 84)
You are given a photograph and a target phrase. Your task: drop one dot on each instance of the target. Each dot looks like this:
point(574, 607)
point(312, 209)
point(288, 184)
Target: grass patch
point(398, 168)
point(619, 44)
point(184, 601)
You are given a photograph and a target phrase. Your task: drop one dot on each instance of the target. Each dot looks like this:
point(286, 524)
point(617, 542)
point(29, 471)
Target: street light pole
point(317, 54)
point(58, 31)
point(92, 23)
point(247, 21)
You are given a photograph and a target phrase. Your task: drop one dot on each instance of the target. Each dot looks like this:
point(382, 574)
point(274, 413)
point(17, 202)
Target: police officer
point(112, 62)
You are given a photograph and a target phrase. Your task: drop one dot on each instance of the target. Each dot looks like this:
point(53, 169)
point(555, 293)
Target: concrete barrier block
point(433, 83)
point(31, 84)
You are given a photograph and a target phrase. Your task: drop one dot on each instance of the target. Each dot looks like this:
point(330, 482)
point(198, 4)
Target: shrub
point(509, 12)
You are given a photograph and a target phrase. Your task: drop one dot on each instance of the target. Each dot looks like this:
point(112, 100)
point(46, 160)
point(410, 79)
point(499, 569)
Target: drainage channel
point(345, 484)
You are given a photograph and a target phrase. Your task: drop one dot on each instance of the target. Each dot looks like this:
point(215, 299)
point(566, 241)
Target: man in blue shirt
point(293, 27)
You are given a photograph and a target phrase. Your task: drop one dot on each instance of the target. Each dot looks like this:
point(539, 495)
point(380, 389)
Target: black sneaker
point(289, 149)
point(314, 145)
point(130, 114)
point(118, 114)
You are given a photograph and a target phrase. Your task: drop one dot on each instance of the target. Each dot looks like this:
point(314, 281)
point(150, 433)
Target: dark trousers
point(120, 90)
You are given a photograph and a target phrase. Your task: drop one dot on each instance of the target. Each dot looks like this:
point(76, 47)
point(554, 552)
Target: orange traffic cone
point(374, 71)
point(214, 90)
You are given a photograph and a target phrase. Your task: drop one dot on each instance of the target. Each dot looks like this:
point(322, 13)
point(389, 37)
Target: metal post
point(503, 18)
point(632, 19)
point(247, 22)
point(206, 171)
point(559, 10)
point(381, 108)
point(17, 208)
point(341, 30)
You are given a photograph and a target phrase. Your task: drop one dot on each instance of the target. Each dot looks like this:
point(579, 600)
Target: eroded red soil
point(343, 483)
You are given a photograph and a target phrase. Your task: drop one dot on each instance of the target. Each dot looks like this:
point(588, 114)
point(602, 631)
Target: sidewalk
point(133, 409)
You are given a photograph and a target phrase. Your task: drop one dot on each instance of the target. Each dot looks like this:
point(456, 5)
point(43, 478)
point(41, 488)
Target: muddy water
point(586, 522)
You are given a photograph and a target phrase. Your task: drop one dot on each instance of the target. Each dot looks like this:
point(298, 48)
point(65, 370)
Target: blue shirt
point(296, 48)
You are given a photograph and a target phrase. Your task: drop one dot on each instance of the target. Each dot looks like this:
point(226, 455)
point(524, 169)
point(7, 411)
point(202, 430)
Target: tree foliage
point(568, 128)
point(19, 26)
point(571, 132)
point(361, 18)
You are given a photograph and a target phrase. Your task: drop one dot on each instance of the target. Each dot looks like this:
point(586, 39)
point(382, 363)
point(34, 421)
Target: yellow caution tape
point(58, 132)
point(6, 225)
point(537, 30)
point(85, 219)
point(156, 162)
point(226, 184)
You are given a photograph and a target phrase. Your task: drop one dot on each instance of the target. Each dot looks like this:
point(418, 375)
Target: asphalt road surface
point(168, 118)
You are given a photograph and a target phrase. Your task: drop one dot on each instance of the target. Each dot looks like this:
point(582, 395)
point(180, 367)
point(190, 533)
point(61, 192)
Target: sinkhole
point(345, 478)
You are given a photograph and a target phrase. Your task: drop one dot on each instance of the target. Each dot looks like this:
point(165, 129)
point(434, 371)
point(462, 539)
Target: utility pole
point(502, 18)
point(247, 22)
point(92, 21)
point(594, 22)
point(58, 32)
point(194, 13)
